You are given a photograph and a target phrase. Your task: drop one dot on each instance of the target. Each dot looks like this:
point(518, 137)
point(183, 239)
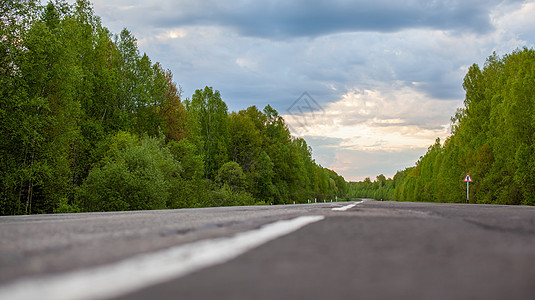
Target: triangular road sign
point(467, 178)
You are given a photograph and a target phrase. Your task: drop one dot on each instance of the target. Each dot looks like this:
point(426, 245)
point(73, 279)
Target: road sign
point(467, 178)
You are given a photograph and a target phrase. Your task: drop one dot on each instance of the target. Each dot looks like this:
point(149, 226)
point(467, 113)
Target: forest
point(492, 139)
point(88, 123)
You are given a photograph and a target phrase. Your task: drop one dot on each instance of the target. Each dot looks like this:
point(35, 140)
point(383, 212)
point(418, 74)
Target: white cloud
point(246, 63)
point(514, 25)
point(171, 35)
point(392, 119)
point(374, 131)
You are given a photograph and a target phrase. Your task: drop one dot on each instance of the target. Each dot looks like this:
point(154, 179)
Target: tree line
point(492, 139)
point(88, 123)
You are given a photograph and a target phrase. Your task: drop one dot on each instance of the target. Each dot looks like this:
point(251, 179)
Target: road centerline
point(347, 207)
point(145, 270)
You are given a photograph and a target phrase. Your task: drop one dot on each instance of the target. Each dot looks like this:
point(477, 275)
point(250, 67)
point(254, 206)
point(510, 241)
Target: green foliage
point(64, 207)
point(231, 175)
point(209, 114)
point(134, 175)
point(260, 178)
point(75, 99)
point(492, 139)
point(226, 196)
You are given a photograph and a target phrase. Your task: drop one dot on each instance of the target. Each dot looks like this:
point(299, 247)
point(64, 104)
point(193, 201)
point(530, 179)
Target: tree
point(261, 178)
point(231, 174)
point(492, 139)
point(245, 140)
point(210, 116)
point(172, 111)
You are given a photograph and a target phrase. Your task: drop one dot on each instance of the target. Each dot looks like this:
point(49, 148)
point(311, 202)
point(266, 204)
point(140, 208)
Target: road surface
point(369, 250)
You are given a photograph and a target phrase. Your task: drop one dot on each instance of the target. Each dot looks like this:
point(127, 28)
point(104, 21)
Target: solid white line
point(344, 208)
point(145, 270)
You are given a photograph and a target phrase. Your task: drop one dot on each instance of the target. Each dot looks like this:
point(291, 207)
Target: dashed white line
point(344, 208)
point(145, 270)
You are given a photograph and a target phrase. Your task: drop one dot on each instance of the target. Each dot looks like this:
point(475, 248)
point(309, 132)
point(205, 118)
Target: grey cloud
point(325, 141)
point(345, 59)
point(301, 18)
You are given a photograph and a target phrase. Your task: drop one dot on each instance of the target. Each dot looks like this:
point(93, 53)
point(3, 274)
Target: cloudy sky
point(368, 84)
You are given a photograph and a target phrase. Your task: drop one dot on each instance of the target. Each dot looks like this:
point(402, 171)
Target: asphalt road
point(375, 250)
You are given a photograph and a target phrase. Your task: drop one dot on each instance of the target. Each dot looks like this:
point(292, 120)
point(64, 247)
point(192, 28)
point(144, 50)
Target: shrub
point(134, 175)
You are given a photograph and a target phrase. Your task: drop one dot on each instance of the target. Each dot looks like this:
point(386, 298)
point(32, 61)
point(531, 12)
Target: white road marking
point(344, 208)
point(145, 270)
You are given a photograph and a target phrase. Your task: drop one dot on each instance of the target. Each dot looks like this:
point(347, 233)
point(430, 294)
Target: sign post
point(467, 179)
